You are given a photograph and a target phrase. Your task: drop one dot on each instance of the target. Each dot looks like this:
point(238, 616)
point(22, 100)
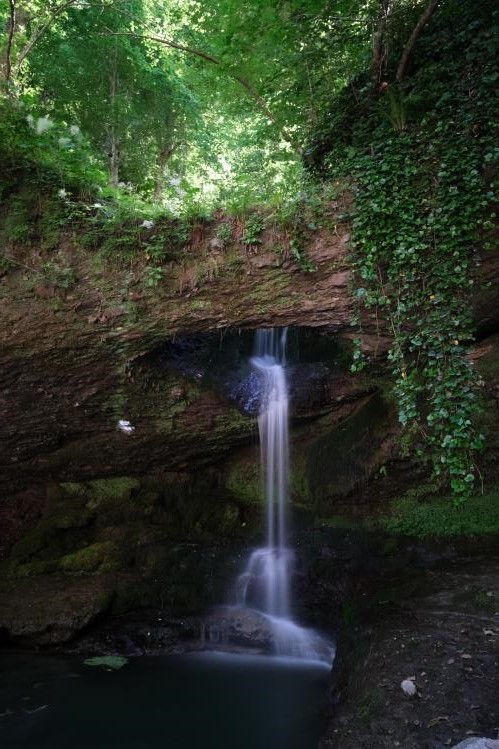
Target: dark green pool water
point(173, 702)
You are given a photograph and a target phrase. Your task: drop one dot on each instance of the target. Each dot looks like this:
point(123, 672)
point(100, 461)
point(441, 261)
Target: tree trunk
point(114, 151)
point(164, 155)
point(114, 158)
point(40, 31)
point(379, 50)
point(244, 82)
point(10, 38)
point(416, 33)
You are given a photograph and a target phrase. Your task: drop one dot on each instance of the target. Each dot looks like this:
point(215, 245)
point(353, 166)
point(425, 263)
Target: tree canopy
point(208, 92)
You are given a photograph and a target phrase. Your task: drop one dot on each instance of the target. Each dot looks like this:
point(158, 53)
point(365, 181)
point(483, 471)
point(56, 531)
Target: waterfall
point(265, 585)
point(266, 581)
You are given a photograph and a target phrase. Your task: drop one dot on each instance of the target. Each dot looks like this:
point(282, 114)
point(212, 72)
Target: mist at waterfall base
point(176, 702)
point(264, 588)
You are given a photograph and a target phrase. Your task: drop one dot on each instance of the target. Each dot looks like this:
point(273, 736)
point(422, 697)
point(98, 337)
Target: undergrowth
point(411, 517)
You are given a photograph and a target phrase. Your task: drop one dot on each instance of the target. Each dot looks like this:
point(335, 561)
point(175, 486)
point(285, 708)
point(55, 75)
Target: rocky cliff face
point(127, 511)
point(76, 362)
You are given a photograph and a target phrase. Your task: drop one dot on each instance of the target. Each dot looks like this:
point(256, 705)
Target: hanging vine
point(424, 204)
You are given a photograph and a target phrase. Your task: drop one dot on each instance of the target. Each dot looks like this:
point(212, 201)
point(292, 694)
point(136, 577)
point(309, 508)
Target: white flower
point(74, 130)
point(175, 181)
point(97, 205)
point(125, 426)
point(147, 224)
point(62, 193)
point(30, 120)
point(65, 142)
point(43, 124)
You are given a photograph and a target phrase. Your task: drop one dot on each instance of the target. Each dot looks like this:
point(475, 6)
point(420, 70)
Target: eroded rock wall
point(77, 361)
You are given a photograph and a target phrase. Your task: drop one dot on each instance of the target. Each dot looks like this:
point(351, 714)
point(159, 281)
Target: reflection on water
point(173, 702)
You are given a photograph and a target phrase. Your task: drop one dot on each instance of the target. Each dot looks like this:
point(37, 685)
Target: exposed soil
point(437, 627)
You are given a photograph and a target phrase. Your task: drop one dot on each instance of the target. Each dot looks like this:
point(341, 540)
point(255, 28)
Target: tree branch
point(378, 36)
point(12, 25)
point(416, 33)
point(41, 31)
point(251, 90)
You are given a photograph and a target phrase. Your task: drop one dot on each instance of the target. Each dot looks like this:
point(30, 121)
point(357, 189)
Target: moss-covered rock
point(243, 478)
point(487, 362)
point(96, 492)
point(30, 569)
point(424, 515)
point(52, 536)
point(334, 458)
point(441, 517)
point(98, 557)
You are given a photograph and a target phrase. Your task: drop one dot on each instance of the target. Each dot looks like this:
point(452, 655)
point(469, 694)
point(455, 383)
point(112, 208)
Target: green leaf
point(108, 662)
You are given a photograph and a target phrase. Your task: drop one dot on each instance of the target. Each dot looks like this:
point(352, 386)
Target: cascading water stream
point(266, 582)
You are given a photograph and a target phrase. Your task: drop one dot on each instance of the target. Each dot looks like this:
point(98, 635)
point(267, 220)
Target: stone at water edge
point(477, 743)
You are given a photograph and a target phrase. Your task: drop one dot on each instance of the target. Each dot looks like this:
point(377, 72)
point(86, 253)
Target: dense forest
point(122, 116)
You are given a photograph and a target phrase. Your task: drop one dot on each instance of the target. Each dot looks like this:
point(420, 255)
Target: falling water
point(267, 578)
point(265, 584)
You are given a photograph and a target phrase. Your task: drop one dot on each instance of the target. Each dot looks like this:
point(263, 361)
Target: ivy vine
point(418, 211)
point(424, 204)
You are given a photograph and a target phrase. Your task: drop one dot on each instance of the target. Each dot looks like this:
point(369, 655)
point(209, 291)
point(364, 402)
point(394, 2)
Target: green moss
point(344, 457)
point(423, 515)
point(275, 287)
point(299, 485)
point(341, 521)
point(164, 421)
point(370, 705)
point(32, 569)
point(230, 518)
point(98, 557)
point(441, 517)
point(106, 491)
point(244, 481)
point(233, 421)
point(488, 365)
point(44, 540)
point(69, 525)
point(18, 226)
point(73, 490)
point(200, 304)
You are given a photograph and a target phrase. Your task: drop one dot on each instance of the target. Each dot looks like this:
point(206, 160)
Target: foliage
point(132, 106)
point(154, 274)
point(108, 662)
point(35, 149)
point(421, 209)
point(195, 104)
point(371, 705)
point(480, 515)
point(299, 254)
point(253, 228)
point(60, 277)
point(224, 233)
